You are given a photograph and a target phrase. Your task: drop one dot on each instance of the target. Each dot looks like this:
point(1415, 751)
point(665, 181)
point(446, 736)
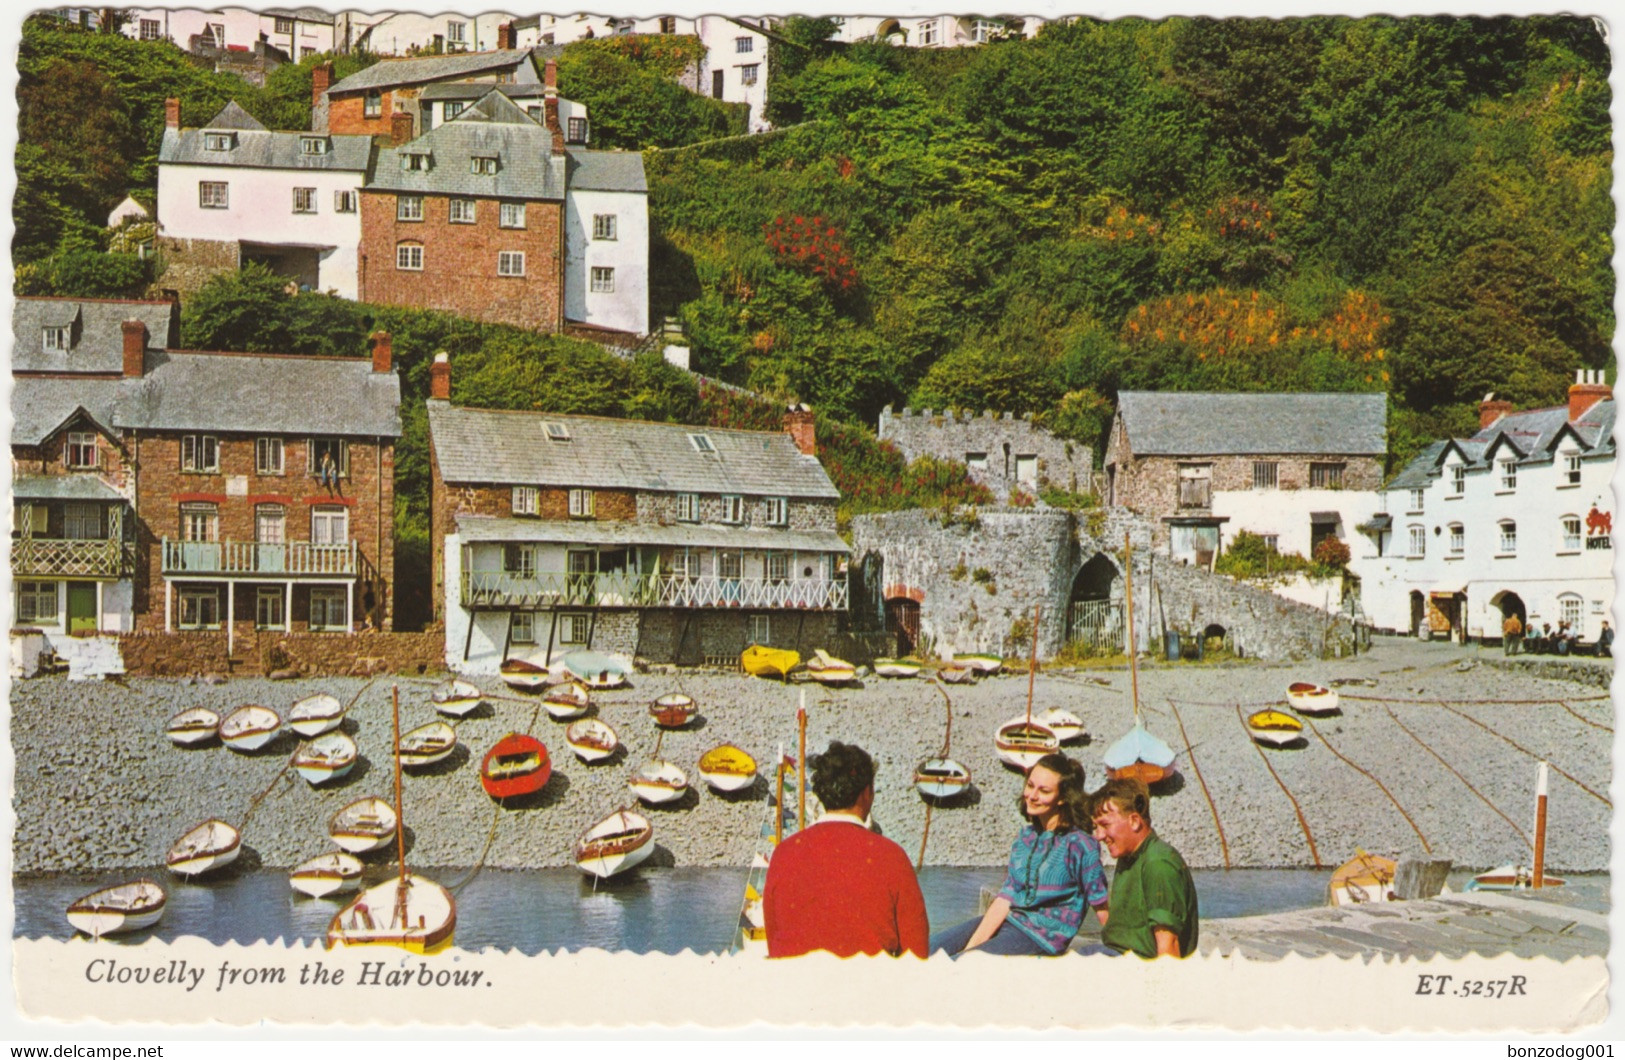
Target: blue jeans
point(1008, 941)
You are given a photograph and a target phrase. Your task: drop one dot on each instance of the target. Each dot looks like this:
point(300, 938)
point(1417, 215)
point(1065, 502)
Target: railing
point(40, 557)
point(1195, 493)
point(558, 589)
point(235, 558)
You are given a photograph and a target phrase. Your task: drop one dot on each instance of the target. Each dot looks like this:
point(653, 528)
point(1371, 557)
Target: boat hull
point(1365, 880)
point(456, 698)
point(369, 920)
point(760, 661)
point(1021, 743)
point(518, 765)
point(115, 910)
point(317, 774)
point(369, 828)
point(592, 742)
point(315, 715)
point(1313, 700)
point(941, 778)
point(327, 875)
point(1511, 878)
point(194, 726)
point(249, 728)
point(196, 854)
point(1145, 772)
point(1066, 725)
point(604, 857)
point(985, 665)
point(727, 782)
point(896, 668)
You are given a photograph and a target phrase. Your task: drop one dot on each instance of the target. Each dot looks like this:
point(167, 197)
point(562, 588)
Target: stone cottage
point(1000, 451)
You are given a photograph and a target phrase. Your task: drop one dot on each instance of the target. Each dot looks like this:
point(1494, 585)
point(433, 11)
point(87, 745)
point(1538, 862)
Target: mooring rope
point(490, 837)
point(1555, 767)
point(1190, 756)
point(1582, 717)
point(1427, 847)
point(1515, 826)
point(1302, 821)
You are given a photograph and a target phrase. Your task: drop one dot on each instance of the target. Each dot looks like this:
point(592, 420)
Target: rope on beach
point(1190, 756)
point(1302, 822)
point(1427, 847)
point(254, 803)
point(925, 836)
point(1582, 717)
point(1478, 702)
point(490, 837)
point(1515, 826)
point(1559, 770)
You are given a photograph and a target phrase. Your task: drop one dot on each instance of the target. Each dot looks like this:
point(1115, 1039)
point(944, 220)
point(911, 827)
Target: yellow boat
point(1274, 727)
point(727, 768)
point(1366, 879)
point(759, 660)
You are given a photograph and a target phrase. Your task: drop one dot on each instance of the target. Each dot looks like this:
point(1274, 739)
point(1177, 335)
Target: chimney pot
point(798, 424)
point(1490, 410)
point(400, 128)
point(505, 37)
point(321, 78)
point(135, 349)
point(440, 377)
point(172, 113)
point(1587, 390)
point(550, 74)
point(382, 355)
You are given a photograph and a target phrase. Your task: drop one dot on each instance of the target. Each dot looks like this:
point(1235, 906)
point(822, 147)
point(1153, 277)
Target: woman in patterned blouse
point(1054, 872)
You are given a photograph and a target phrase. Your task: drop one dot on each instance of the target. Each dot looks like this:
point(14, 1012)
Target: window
point(58, 338)
point(1571, 533)
point(313, 145)
point(730, 565)
point(483, 165)
point(1509, 537)
point(456, 32)
point(409, 208)
point(36, 601)
point(976, 461)
point(329, 610)
point(526, 500)
point(1458, 539)
point(80, 452)
point(212, 194)
point(452, 108)
point(328, 458)
point(284, 25)
point(150, 29)
point(200, 522)
point(513, 215)
point(415, 161)
point(778, 566)
point(268, 456)
point(744, 45)
point(304, 200)
point(1416, 500)
point(268, 608)
point(524, 628)
point(733, 509)
point(1265, 474)
point(603, 280)
point(702, 442)
point(214, 141)
point(1419, 542)
point(557, 432)
point(684, 564)
point(216, 34)
point(510, 263)
point(200, 452)
point(200, 607)
point(305, 51)
point(1272, 542)
point(1509, 475)
point(330, 525)
point(759, 629)
point(1569, 609)
point(581, 504)
point(344, 202)
point(603, 226)
point(461, 211)
point(1571, 469)
point(1326, 476)
point(747, 74)
point(778, 509)
point(985, 30)
point(409, 257)
point(373, 107)
point(520, 560)
point(573, 629)
point(928, 34)
point(270, 524)
point(82, 522)
point(1458, 479)
point(668, 24)
point(576, 130)
point(688, 507)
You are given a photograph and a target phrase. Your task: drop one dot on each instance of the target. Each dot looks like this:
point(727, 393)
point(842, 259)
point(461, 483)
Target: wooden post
point(778, 800)
point(1133, 666)
point(1539, 879)
point(801, 763)
point(1032, 665)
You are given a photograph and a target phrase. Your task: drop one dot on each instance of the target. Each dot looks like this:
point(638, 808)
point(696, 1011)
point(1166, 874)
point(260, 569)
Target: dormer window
point(483, 165)
point(576, 130)
point(452, 108)
point(415, 161)
point(558, 432)
point(313, 145)
point(58, 338)
point(1458, 479)
point(219, 141)
point(701, 443)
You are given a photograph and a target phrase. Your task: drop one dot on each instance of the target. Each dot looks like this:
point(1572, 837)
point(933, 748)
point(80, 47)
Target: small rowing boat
point(565, 701)
point(325, 758)
point(193, 726)
point(619, 842)
point(122, 907)
point(954, 674)
point(984, 663)
point(897, 667)
point(1311, 699)
point(1022, 741)
point(456, 698)
point(727, 768)
point(597, 670)
point(1274, 727)
point(517, 765)
point(212, 845)
point(1511, 878)
point(314, 715)
point(326, 874)
point(758, 660)
point(942, 778)
point(658, 781)
point(362, 826)
point(673, 710)
point(522, 675)
point(1362, 880)
point(426, 745)
point(592, 740)
point(826, 669)
point(249, 727)
point(1066, 725)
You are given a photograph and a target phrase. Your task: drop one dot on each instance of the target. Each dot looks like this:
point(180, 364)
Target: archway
point(1510, 603)
point(1094, 611)
point(1418, 614)
point(1213, 639)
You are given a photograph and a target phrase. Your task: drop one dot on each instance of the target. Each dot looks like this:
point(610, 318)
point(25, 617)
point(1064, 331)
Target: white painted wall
point(242, 28)
point(945, 31)
point(398, 33)
point(1285, 513)
point(721, 38)
point(627, 309)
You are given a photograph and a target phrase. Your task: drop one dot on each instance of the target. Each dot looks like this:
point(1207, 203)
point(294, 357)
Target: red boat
point(517, 765)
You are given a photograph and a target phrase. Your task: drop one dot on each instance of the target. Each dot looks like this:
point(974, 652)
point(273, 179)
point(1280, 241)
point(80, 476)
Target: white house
point(297, 32)
point(289, 199)
point(606, 219)
point(936, 31)
point(409, 32)
point(1517, 519)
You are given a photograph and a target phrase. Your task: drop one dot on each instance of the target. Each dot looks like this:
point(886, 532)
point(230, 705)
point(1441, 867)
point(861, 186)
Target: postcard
point(516, 509)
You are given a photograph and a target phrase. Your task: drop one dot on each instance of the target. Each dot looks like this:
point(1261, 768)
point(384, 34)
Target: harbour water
point(650, 911)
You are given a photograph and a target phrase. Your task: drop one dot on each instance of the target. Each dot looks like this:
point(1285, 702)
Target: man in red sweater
point(836, 885)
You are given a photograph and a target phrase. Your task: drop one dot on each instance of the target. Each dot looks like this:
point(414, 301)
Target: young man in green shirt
point(1153, 899)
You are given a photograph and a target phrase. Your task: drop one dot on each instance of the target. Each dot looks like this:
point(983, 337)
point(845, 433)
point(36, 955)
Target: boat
point(942, 778)
point(597, 670)
point(1137, 755)
point(591, 740)
point(325, 758)
point(525, 676)
point(567, 700)
point(758, 660)
point(362, 826)
point(193, 726)
point(122, 907)
point(411, 912)
point(658, 781)
point(517, 765)
point(1364, 879)
point(1023, 740)
point(1511, 878)
point(618, 843)
point(326, 874)
point(1274, 727)
point(1311, 699)
point(314, 715)
point(898, 667)
point(249, 727)
point(1066, 725)
point(673, 710)
point(426, 745)
point(727, 768)
point(955, 674)
point(212, 845)
point(456, 698)
point(984, 663)
point(826, 669)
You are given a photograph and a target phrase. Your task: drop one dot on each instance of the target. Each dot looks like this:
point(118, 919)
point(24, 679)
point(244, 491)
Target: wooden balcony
point(252, 559)
point(490, 589)
point(42, 557)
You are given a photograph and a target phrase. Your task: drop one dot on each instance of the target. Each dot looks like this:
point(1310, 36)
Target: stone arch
point(1094, 603)
point(1097, 579)
point(1510, 603)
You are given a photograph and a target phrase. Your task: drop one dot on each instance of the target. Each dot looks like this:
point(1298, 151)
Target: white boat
point(619, 842)
point(673, 710)
point(314, 715)
point(592, 740)
point(1511, 878)
point(409, 912)
point(522, 675)
point(827, 669)
point(983, 663)
point(1066, 725)
point(193, 726)
point(122, 907)
point(326, 874)
point(727, 768)
point(567, 700)
point(249, 727)
point(597, 670)
point(656, 782)
point(1274, 727)
point(456, 698)
point(1312, 699)
point(1022, 741)
point(325, 758)
point(897, 668)
point(364, 825)
point(941, 778)
point(212, 845)
point(955, 674)
point(426, 745)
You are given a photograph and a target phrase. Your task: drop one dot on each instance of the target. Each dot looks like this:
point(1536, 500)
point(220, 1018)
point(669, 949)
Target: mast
point(778, 801)
point(1032, 665)
point(801, 764)
point(1133, 653)
point(400, 811)
point(1539, 879)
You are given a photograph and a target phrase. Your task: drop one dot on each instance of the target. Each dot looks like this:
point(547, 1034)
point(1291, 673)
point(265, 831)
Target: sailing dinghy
point(597, 670)
point(619, 842)
point(727, 768)
point(897, 668)
point(1137, 755)
point(517, 765)
point(1312, 699)
point(249, 727)
point(1274, 727)
point(456, 698)
point(362, 826)
point(325, 758)
point(212, 845)
point(658, 781)
point(426, 745)
point(314, 715)
point(1066, 725)
point(1511, 878)
point(123, 907)
point(326, 874)
point(673, 710)
point(942, 777)
point(193, 726)
point(826, 669)
point(591, 740)
point(984, 663)
point(522, 675)
point(567, 700)
point(1022, 741)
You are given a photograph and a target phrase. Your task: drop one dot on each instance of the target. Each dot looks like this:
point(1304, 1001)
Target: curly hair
point(841, 775)
point(1077, 808)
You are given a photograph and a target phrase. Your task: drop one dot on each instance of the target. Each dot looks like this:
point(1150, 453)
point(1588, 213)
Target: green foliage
point(1061, 497)
point(629, 85)
point(1250, 556)
point(84, 273)
point(1331, 554)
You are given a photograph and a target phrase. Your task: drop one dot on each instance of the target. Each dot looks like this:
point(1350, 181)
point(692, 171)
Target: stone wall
point(716, 633)
point(158, 654)
point(1260, 624)
point(188, 264)
point(954, 435)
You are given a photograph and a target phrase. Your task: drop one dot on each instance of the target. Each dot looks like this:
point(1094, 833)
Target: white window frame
point(511, 263)
point(482, 165)
point(344, 201)
point(282, 25)
point(415, 161)
point(329, 524)
point(372, 105)
point(603, 279)
point(761, 629)
point(38, 602)
point(733, 508)
point(524, 627)
point(304, 200)
point(527, 500)
point(1573, 533)
point(573, 628)
point(1458, 539)
point(82, 521)
point(1416, 500)
point(408, 207)
point(313, 464)
point(313, 145)
point(1571, 470)
point(1509, 476)
point(557, 432)
point(268, 456)
point(1419, 541)
point(575, 130)
point(460, 211)
point(219, 141)
point(1571, 609)
point(688, 507)
point(583, 503)
point(1329, 475)
point(200, 522)
point(268, 609)
point(151, 29)
point(456, 32)
point(329, 609)
point(519, 560)
point(409, 257)
point(270, 524)
point(928, 33)
point(778, 511)
point(776, 566)
point(513, 215)
point(81, 451)
point(1458, 479)
point(731, 565)
point(200, 453)
point(605, 226)
point(199, 606)
point(452, 108)
point(749, 74)
point(1509, 537)
point(702, 443)
point(59, 338)
point(213, 195)
point(744, 46)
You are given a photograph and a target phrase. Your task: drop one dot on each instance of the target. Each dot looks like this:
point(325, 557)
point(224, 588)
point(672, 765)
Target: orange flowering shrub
point(814, 244)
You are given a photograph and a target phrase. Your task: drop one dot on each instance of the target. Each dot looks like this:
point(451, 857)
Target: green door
point(81, 608)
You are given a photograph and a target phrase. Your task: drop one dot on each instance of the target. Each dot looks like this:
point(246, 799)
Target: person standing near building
point(836, 885)
point(1605, 641)
point(1153, 898)
point(1511, 633)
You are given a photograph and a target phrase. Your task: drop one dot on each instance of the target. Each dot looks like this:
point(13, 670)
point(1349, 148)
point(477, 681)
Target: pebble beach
point(1417, 763)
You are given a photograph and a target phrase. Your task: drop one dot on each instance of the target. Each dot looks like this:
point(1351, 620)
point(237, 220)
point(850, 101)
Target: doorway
point(81, 608)
point(903, 621)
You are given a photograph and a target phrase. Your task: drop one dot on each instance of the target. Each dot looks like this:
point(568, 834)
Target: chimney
point(1490, 410)
point(321, 78)
point(135, 349)
point(440, 377)
point(550, 76)
point(798, 424)
point(505, 37)
point(550, 104)
point(1588, 389)
point(172, 113)
point(382, 356)
point(400, 128)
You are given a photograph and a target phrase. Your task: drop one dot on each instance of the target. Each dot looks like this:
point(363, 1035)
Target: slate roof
point(41, 406)
point(607, 171)
point(63, 488)
point(259, 148)
point(526, 167)
point(232, 116)
point(1164, 423)
point(483, 445)
point(619, 532)
point(1534, 432)
point(261, 392)
point(476, 89)
point(387, 73)
point(303, 14)
point(97, 335)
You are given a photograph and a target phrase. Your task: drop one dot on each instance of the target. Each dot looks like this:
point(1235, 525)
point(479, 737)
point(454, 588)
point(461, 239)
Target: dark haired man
point(1153, 899)
point(836, 885)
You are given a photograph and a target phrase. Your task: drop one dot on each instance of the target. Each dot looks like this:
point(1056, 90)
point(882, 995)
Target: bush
point(84, 274)
point(1331, 555)
point(1250, 556)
